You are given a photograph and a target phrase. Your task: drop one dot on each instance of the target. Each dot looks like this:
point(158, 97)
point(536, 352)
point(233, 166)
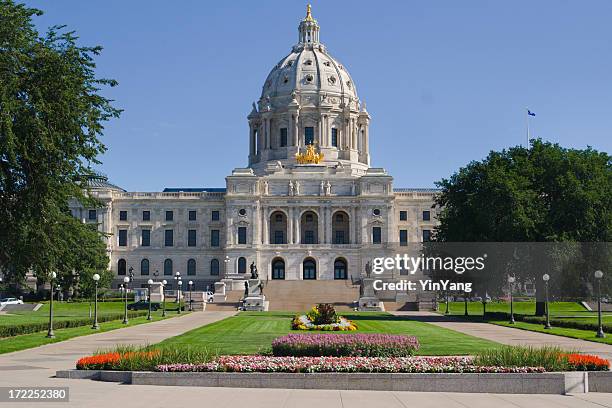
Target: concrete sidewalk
point(508, 335)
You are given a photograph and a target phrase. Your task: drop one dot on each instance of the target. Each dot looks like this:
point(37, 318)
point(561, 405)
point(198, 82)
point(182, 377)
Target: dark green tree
point(51, 119)
point(543, 194)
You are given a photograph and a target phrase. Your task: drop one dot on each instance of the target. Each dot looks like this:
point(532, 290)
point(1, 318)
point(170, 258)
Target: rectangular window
point(426, 215)
point(93, 215)
point(339, 238)
point(403, 215)
point(279, 237)
point(215, 216)
point(308, 135)
point(169, 238)
point(283, 137)
point(169, 215)
point(334, 137)
point(122, 215)
point(376, 235)
point(309, 237)
point(426, 235)
point(403, 237)
point(242, 235)
point(146, 215)
point(122, 237)
point(192, 215)
point(214, 238)
point(191, 237)
point(145, 237)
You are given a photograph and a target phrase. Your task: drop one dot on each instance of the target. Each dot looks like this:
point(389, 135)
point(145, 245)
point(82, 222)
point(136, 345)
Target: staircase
point(232, 301)
point(301, 295)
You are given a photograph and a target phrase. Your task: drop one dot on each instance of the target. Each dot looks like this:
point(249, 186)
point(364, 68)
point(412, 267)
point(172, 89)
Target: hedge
point(35, 327)
point(564, 323)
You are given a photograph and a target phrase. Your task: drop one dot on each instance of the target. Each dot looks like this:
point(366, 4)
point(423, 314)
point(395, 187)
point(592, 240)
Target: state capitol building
point(308, 206)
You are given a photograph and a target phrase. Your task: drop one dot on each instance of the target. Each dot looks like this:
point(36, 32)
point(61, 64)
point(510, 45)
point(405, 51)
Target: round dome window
point(376, 211)
point(242, 212)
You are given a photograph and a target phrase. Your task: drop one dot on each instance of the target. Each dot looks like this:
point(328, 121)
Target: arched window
point(310, 269)
point(278, 269)
point(242, 267)
point(168, 267)
point(340, 269)
point(144, 267)
point(191, 267)
point(340, 228)
point(214, 267)
point(309, 225)
point(121, 267)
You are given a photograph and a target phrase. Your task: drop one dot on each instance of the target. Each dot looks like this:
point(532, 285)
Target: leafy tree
point(51, 118)
point(543, 194)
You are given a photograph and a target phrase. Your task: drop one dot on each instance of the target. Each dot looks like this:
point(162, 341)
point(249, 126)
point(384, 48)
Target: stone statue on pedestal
point(254, 274)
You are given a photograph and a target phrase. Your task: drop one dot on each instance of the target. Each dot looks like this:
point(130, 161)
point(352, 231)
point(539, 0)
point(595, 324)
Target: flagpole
point(527, 120)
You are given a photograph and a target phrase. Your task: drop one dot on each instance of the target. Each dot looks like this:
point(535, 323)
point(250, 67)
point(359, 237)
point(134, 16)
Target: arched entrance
point(309, 225)
point(278, 228)
point(278, 268)
point(309, 269)
point(340, 228)
point(340, 269)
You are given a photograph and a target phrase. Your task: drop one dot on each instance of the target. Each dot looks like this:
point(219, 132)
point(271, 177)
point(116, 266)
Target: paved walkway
point(508, 335)
point(36, 367)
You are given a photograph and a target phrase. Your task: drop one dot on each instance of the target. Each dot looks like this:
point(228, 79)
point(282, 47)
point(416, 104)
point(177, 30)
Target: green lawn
point(252, 332)
point(61, 311)
point(559, 331)
point(25, 341)
point(526, 308)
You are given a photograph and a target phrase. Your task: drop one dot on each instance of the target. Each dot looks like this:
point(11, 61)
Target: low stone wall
point(510, 383)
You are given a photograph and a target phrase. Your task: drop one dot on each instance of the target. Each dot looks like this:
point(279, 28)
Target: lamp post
point(511, 280)
point(546, 278)
point(465, 303)
point(227, 260)
point(95, 325)
point(50, 333)
point(190, 301)
point(150, 283)
point(126, 281)
point(447, 302)
point(177, 278)
point(178, 294)
point(164, 282)
point(600, 333)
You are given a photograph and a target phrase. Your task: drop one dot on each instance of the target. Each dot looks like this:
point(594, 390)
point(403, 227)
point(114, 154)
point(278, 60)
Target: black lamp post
point(95, 325)
point(150, 283)
point(164, 282)
point(600, 333)
point(50, 333)
point(465, 303)
point(511, 280)
point(447, 302)
point(546, 278)
point(190, 300)
point(126, 282)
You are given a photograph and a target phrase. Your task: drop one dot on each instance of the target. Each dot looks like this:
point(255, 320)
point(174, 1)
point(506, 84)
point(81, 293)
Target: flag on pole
point(530, 113)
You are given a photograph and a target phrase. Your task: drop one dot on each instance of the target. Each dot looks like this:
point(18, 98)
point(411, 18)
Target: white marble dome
point(308, 69)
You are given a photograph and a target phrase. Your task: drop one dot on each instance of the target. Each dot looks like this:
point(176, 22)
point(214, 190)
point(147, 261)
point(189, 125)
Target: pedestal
point(256, 303)
point(368, 302)
point(219, 295)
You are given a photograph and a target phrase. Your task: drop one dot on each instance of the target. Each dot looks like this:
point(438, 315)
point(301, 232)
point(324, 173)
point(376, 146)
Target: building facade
point(308, 206)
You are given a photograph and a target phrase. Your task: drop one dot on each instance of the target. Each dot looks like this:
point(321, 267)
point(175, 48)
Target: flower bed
point(342, 345)
point(302, 322)
point(586, 362)
point(269, 364)
point(110, 361)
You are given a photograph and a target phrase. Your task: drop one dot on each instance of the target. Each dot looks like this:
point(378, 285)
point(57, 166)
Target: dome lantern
point(308, 29)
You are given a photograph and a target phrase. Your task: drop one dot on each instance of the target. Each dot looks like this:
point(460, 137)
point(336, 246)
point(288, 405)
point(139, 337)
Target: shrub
point(551, 358)
point(130, 358)
point(567, 323)
point(341, 345)
point(323, 313)
point(35, 327)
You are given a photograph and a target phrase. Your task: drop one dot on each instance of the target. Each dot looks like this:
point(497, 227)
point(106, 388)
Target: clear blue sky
point(444, 81)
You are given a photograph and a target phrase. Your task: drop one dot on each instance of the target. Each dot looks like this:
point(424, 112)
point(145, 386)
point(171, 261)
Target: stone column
point(328, 225)
point(297, 238)
point(353, 226)
point(290, 226)
point(321, 225)
point(296, 131)
point(266, 225)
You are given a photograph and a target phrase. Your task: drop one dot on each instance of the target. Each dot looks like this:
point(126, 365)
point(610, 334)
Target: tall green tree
point(51, 118)
point(543, 194)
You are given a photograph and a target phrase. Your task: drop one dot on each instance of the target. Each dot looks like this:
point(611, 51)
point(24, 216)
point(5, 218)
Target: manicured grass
point(253, 332)
point(61, 311)
point(559, 331)
point(26, 341)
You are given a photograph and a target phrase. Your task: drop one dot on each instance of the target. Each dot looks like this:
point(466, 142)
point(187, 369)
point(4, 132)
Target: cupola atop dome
point(309, 98)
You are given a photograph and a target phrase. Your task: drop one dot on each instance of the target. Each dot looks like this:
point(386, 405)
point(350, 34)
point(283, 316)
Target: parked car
point(10, 301)
point(142, 305)
point(209, 297)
